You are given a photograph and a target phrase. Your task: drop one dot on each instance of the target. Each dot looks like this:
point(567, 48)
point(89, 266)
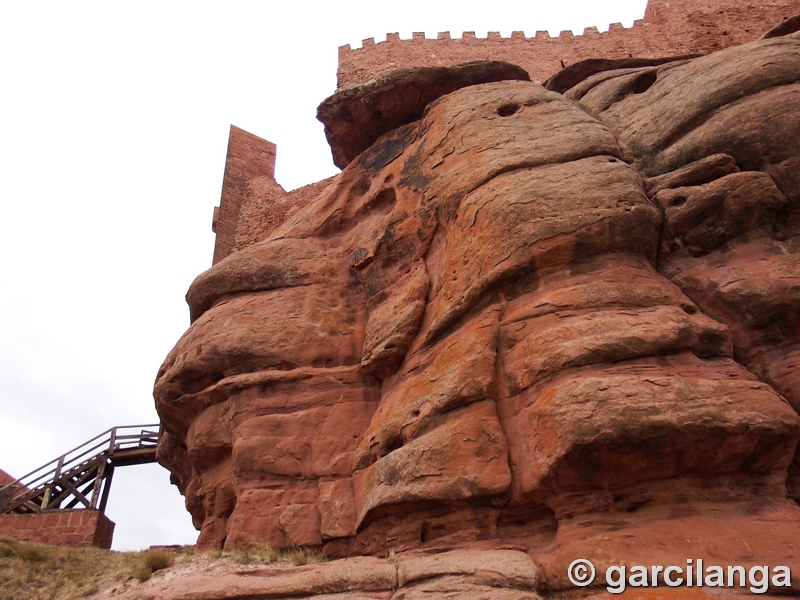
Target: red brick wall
point(71, 528)
point(669, 28)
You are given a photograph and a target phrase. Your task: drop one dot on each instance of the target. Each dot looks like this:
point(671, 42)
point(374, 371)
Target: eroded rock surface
point(355, 117)
point(469, 574)
point(514, 319)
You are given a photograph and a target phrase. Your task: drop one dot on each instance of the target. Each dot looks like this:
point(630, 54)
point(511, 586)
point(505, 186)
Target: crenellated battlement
point(668, 28)
point(392, 38)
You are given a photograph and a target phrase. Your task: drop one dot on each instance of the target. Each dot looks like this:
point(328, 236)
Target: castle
point(253, 203)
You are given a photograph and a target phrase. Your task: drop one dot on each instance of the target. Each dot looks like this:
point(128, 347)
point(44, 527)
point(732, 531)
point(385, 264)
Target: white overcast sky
point(114, 120)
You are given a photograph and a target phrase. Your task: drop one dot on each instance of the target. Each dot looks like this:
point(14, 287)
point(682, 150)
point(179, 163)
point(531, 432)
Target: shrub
point(151, 561)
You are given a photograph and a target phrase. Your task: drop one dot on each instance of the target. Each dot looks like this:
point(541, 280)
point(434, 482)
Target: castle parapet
point(669, 28)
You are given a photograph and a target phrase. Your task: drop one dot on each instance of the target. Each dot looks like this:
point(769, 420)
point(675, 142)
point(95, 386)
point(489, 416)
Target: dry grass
point(266, 554)
point(41, 572)
point(150, 561)
point(643, 159)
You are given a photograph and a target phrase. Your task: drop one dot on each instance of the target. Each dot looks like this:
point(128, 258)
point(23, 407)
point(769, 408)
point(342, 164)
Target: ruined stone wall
point(252, 202)
point(248, 156)
point(669, 28)
point(71, 528)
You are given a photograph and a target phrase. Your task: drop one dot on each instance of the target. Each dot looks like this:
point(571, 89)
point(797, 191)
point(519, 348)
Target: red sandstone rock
point(702, 171)
point(394, 322)
point(653, 536)
point(491, 329)
point(789, 26)
point(355, 117)
point(498, 568)
point(494, 574)
point(675, 122)
point(464, 459)
point(577, 72)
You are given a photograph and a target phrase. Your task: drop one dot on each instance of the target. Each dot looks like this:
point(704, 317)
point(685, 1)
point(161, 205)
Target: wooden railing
point(81, 478)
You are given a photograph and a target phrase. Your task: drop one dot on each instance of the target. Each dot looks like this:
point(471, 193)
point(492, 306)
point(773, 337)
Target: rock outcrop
point(564, 323)
point(468, 574)
point(354, 117)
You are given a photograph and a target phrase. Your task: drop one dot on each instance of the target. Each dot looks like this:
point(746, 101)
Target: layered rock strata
point(563, 322)
point(468, 574)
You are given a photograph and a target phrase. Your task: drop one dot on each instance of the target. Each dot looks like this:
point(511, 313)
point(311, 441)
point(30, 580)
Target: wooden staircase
point(81, 478)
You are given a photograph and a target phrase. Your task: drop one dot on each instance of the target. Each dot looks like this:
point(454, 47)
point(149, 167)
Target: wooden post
point(106, 488)
point(48, 492)
point(112, 443)
point(98, 481)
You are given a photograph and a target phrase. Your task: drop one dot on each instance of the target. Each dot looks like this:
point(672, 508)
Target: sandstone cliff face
point(569, 323)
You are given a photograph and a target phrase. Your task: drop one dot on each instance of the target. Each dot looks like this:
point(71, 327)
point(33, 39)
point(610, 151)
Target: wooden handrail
point(38, 485)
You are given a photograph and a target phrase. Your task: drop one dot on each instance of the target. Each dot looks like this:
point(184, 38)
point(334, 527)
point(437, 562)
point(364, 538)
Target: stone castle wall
point(669, 28)
point(248, 156)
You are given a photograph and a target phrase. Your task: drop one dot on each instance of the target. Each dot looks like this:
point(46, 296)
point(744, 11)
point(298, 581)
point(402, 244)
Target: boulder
point(356, 116)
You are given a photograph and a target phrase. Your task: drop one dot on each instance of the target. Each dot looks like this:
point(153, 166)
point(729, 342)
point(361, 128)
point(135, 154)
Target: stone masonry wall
point(248, 156)
point(71, 528)
point(669, 28)
point(253, 204)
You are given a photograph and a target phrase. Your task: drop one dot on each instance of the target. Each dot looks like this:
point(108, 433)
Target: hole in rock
point(384, 201)
point(394, 444)
point(644, 82)
point(508, 109)
point(678, 201)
